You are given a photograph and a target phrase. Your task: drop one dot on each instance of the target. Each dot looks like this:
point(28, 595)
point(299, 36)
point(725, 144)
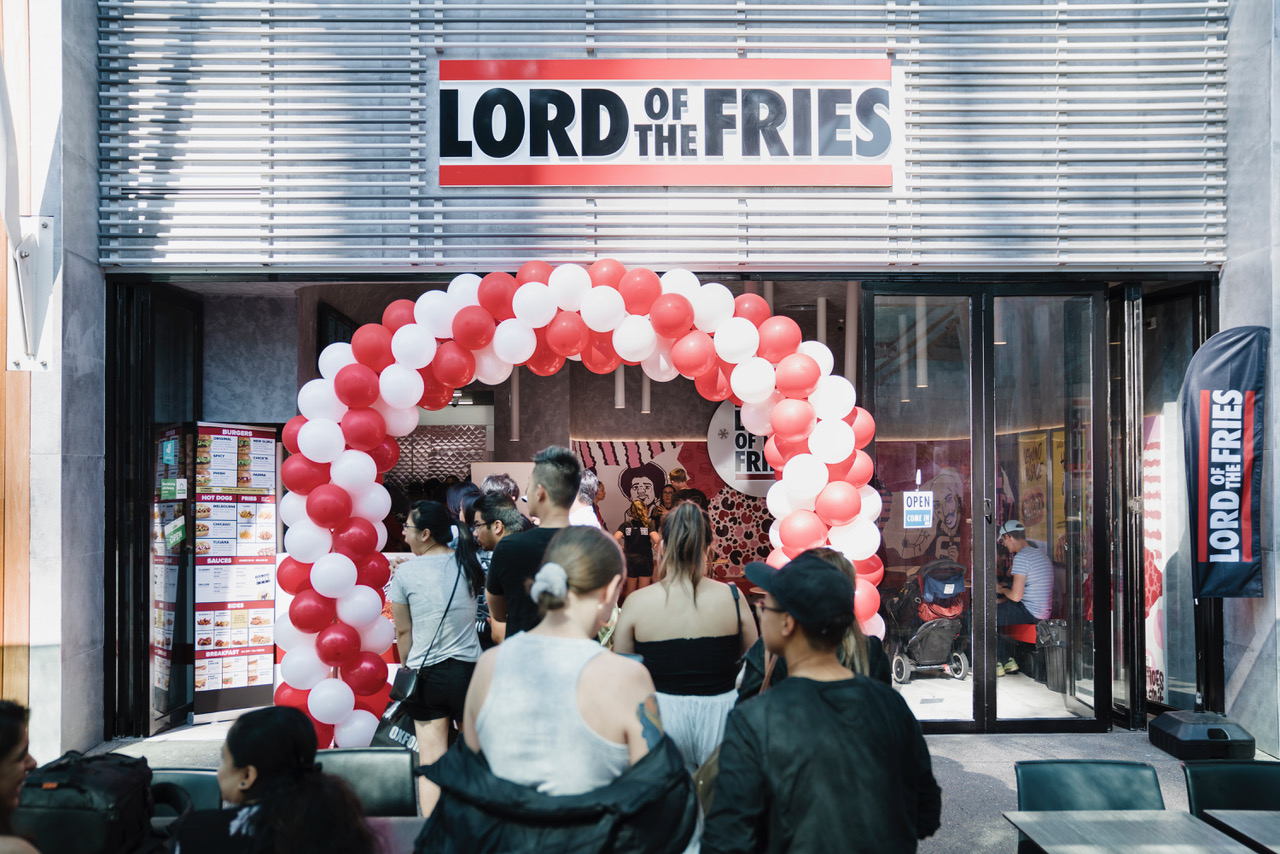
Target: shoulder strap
point(737, 610)
point(447, 606)
point(769, 661)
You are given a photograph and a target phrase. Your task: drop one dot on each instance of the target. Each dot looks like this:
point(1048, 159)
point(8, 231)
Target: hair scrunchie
point(550, 579)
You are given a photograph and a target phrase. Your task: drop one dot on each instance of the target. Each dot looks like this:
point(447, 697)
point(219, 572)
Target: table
point(1259, 829)
point(1122, 832)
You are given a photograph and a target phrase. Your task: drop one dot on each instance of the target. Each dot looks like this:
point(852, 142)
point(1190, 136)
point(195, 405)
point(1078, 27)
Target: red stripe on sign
point(1246, 499)
point(680, 70)
point(1202, 477)
point(664, 175)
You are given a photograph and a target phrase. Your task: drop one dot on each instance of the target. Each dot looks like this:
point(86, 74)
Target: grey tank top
point(530, 729)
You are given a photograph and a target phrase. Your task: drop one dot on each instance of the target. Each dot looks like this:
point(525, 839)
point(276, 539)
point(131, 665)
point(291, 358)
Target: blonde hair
point(589, 559)
point(853, 647)
point(686, 535)
point(638, 512)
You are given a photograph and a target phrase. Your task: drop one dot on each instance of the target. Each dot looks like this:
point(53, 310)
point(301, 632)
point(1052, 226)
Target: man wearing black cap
point(824, 761)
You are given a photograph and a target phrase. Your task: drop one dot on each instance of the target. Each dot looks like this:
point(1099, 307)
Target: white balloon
point(752, 381)
point(569, 284)
point(356, 730)
point(301, 668)
point(400, 386)
point(534, 305)
point(334, 358)
point(756, 416)
point(775, 534)
point(832, 441)
point(820, 353)
point(634, 339)
point(603, 309)
point(374, 503)
point(292, 508)
point(380, 531)
point(316, 399)
point(333, 575)
point(834, 398)
point(377, 637)
point(872, 503)
point(680, 282)
point(712, 306)
point(331, 701)
point(805, 476)
point(321, 440)
point(400, 422)
point(736, 340)
point(657, 365)
point(866, 539)
point(353, 471)
point(307, 541)
point(413, 346)
point(465, 289)
point(289, 637)
point(490, 367)
point(874, 627)
point(514, 341)
point(358, 607)
point(779, 503)
point(434, 312)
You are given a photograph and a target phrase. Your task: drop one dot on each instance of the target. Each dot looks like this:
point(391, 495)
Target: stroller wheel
point(901, 669)
point(958, 665)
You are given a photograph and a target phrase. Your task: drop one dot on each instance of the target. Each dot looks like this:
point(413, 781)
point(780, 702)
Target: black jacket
point(650, 808)
point(753, 674)
point(823, 766)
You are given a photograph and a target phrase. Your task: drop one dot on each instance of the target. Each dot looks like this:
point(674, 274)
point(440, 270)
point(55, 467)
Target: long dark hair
point(433, 517)
point(686, 535)
point(299, 808)
point(13, 725)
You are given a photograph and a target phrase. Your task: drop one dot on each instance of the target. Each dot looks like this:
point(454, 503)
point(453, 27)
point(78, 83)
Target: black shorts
point(442, 691)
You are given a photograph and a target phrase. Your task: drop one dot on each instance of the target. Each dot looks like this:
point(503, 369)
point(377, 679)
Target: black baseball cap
point(808, 588)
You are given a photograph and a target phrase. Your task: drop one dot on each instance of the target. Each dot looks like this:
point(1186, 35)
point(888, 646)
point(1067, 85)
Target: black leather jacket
point(650, 808)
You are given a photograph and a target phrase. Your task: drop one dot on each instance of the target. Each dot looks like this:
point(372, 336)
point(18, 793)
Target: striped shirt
point(1037, 595)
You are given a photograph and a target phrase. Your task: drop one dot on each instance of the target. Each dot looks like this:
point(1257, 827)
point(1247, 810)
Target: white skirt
point(695, 723)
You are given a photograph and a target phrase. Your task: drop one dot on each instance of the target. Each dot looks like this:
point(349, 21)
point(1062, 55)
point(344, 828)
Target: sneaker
point(1011, 666)
point(999, 669)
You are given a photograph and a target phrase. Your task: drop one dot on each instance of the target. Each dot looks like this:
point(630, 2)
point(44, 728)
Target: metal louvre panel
point(301, 135)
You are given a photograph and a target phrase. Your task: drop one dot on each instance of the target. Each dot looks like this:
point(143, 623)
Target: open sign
point(917, 510)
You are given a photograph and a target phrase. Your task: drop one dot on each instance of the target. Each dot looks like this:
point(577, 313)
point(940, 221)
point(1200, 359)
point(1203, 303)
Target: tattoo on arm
point(650, 721)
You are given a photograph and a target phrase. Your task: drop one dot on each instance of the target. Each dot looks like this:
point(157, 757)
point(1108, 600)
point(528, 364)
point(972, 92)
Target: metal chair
point(1084, 784)
point(381, 777)
point(1231, 784)
point(200, 783)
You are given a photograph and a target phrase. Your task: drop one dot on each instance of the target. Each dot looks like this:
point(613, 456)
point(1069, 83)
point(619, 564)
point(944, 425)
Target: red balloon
point(373, 571)
point(694, 355)
point(544, 362)
point(606, 273)
point(473, 327)
point(567, 334)
point(302, 475)
point(871, 569)
point(778, 451)
point(366, 672)
point(777, 559)
point(289, 435)
point(387, 454)
point(751, 306)
point(714, 384)
point(435, 401)
point(293, 576)
point(639, 288)
point(364, 429)
point(840, 470)
point(496, 291)
point(431, 385)
point(375, 703)
point(533, 271)
point(453, 365)
point(802, 530)
point(287, 695)
point(399, 313)
point(671, 315)
point(356, 386)
point(793, 419)
point(355, 538)
point(324, 733)
point(371, 345)
point(862, 469)
point(797, 375)
point(779, 337)
point(328, 505)
point(598, 356)
point(310, 612)
point(866, 601)
point(838, 503)
point(337, 644)
point(864, 427)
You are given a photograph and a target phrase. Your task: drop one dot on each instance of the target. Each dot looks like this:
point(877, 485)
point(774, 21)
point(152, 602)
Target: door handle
point(986, 504)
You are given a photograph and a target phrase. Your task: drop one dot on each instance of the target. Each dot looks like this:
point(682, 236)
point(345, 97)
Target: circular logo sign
point(737, 453)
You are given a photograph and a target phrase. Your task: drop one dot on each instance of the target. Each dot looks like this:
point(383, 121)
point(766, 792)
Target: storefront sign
point(666, 122)
point(738, 454)
point(917, 510)
point(1222, 419)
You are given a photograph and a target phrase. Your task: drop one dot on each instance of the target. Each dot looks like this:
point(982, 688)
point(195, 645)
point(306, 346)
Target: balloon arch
point(479, 329)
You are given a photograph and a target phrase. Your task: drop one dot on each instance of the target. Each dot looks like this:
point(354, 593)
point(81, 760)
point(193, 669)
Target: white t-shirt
point(424, 584)
point(581, 515)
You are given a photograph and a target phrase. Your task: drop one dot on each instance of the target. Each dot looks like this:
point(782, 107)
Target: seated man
point(1028, 596)
point(826, 760)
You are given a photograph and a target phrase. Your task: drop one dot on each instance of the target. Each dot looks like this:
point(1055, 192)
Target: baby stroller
point(928, 620)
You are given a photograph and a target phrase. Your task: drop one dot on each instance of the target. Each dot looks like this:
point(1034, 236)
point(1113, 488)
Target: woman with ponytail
point(433, 600)
point(283, 802)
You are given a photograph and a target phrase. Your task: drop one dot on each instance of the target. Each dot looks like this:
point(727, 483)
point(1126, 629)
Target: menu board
point(168, 536)
point(235, 532)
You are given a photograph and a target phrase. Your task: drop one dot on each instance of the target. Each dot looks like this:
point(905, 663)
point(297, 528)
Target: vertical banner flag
point(1222, 421)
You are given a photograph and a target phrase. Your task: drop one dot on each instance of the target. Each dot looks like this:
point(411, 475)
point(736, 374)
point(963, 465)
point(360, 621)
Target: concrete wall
point(249, 354)
point(1249, 283)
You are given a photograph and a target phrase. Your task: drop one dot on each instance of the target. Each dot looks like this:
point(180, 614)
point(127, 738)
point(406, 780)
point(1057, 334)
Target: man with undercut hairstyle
point(516, 559)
